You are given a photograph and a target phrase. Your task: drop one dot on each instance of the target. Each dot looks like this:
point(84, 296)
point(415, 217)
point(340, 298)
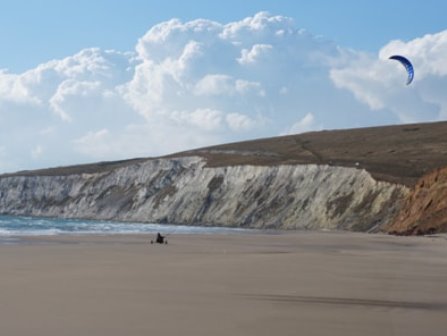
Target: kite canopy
point(407, 64)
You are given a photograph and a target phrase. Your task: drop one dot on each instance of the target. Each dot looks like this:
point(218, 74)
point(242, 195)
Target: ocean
point(12, 226)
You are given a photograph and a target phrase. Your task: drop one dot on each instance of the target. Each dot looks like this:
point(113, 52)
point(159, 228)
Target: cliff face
point(425, 208)
point(186, 191)
point(327, 179)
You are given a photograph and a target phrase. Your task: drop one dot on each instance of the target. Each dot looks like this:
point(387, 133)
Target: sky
point(86, 81)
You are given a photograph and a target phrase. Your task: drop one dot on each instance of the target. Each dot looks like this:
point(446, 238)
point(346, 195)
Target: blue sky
point(84, 81)
point(38, 30)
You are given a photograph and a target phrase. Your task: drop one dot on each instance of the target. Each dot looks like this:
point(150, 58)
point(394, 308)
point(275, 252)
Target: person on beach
point(160, 239)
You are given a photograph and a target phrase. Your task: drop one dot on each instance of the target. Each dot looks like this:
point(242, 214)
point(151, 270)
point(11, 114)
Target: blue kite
point(407, 64)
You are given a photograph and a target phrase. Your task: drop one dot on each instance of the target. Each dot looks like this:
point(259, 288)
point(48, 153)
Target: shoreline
point(289, 283)
point(74, 238)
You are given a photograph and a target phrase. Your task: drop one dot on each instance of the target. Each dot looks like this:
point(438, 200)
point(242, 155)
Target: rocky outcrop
point(424, 211)
point(186, 191)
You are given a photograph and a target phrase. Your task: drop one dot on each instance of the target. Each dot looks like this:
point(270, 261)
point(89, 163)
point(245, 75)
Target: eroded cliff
point(356, 179)
point(186, 191)
point(424, 210)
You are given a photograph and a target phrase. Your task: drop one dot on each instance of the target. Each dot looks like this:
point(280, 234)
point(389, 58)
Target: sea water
point(11, 226)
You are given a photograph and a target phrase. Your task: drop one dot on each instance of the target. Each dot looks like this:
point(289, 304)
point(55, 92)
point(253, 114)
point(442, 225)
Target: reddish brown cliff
point(425, 209)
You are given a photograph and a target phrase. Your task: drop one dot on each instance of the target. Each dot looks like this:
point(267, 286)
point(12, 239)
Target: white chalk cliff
point(186, 191)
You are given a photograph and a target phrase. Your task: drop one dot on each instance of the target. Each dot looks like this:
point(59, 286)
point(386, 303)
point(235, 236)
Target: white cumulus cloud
point(259, 75)
point(380, 82)
point(201, 82)
point(255, 53)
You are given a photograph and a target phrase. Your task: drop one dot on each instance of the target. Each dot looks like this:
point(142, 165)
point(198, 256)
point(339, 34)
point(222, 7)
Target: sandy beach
point(305, 283)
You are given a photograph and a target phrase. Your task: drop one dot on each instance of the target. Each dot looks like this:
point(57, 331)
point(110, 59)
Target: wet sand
point(303, 283)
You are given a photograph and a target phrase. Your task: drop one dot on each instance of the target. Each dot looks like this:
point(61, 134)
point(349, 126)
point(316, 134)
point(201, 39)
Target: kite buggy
point(160, 239)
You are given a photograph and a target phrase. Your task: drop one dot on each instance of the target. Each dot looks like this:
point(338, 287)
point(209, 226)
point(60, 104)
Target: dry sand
point(247, 284)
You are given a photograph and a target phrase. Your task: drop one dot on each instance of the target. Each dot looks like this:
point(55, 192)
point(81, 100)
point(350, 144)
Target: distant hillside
point(365, 179)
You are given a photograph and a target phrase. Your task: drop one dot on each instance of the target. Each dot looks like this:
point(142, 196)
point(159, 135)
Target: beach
point(280, 283)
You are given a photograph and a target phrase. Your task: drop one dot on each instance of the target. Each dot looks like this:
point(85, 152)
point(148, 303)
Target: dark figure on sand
point(160, 239)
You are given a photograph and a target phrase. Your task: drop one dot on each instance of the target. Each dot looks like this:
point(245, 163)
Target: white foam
point(26, 226)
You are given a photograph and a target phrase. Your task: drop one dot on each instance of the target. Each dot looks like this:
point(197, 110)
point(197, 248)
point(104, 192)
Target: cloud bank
point(380, 83)
point(198, 83)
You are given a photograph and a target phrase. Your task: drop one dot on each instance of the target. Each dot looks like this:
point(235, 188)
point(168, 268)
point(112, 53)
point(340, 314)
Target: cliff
point(186, 191)
point(424, 210)
point(361, 179)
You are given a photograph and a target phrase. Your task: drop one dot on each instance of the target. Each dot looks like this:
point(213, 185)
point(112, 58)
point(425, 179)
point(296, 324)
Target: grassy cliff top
point(400, 154)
